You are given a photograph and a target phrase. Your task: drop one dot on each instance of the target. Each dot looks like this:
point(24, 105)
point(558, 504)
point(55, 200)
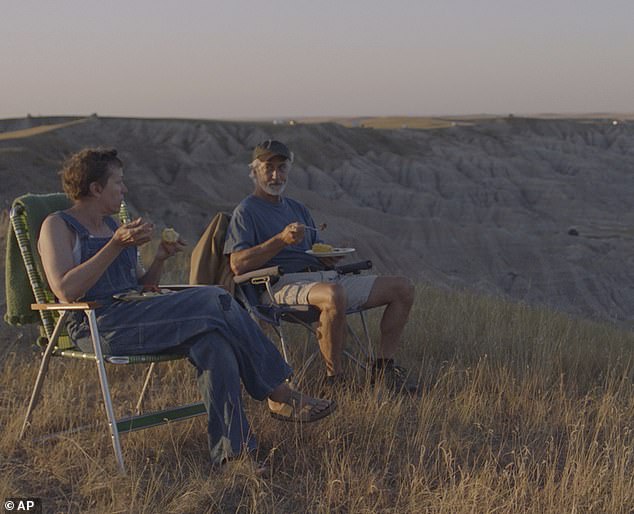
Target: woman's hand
point(166, 250)
point(134, 233)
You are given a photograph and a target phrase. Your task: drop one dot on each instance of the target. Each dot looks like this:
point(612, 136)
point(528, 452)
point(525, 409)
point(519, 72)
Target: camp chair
point(209, 265)
point(249, 291)
point(27, 215)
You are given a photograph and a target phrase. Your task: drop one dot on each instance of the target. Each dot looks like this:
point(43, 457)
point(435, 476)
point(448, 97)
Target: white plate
point(134, 296)
point(336, 252)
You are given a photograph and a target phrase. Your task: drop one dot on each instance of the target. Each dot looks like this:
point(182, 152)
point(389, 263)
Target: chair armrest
point(76, 306)
point(273, 271)
point(354, 267)
point(180, 287)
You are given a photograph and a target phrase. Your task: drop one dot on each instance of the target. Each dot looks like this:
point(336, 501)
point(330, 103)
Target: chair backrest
point(208, 263)
point(25, 279)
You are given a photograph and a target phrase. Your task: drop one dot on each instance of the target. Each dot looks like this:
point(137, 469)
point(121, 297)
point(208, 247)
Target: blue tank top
point(120, 276)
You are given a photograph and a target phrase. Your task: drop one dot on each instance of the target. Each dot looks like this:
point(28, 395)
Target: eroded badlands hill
point(490, 206)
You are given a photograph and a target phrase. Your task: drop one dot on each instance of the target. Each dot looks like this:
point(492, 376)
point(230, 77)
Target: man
point(268, 229)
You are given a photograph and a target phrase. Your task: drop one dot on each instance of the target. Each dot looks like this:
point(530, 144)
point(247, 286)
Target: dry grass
point(36, 131)
point(389, 122)
point(397, 122)
point(524, 410)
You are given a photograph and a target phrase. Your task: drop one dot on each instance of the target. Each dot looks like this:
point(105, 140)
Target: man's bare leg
point(397, 294)
point(331, 300)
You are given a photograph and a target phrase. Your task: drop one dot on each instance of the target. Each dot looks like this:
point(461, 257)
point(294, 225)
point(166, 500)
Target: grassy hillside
point(524, 410)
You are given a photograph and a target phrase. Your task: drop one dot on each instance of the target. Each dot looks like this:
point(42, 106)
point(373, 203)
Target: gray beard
point(274, 190)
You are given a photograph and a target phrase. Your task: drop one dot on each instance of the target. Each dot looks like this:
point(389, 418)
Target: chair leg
point(48, 352)
point(366, 349)
point(299, 373)
point(361, 349)
point(358, 362)
point(148, 376)
point(282, 342)
point(103, 380)
point(368, 339)
point(299, 376)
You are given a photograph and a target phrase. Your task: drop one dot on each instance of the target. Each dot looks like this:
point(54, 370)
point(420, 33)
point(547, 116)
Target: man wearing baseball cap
point(269, 229)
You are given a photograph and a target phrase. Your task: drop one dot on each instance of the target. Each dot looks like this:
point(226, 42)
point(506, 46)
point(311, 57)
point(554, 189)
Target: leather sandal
point(302, 409)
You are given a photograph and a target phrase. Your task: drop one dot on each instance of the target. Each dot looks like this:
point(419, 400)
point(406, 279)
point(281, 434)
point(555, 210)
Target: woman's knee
point(209, 300)
point(214, 353)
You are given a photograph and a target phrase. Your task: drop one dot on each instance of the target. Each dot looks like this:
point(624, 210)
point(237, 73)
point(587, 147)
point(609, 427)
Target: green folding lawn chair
point(28, 295)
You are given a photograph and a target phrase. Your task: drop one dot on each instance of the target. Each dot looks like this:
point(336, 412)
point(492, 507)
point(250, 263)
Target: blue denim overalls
point(204, 323)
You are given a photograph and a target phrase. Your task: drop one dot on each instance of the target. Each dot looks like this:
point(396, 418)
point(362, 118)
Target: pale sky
point(278, 58)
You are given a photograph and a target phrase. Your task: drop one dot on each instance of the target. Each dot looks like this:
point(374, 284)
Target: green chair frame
point(55, 343)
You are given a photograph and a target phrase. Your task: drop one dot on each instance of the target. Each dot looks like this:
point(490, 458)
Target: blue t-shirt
point(255, 221)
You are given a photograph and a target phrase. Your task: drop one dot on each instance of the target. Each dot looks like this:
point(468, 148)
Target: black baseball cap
point(270, 148)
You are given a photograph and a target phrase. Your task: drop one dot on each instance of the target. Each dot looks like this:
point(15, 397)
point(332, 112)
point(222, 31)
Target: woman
point(88, 256)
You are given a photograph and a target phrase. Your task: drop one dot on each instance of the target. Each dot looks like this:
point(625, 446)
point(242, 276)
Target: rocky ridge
point(534, 209)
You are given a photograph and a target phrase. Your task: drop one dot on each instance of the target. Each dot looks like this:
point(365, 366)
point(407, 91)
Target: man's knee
point(392, 290)
point(405, 290)
point(337, 297)
point(331, 297)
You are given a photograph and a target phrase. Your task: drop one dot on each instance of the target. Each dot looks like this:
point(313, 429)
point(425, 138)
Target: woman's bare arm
point(69, 281)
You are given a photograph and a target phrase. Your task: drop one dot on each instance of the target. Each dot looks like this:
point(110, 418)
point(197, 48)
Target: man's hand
point(292, 233)
point(134, 233)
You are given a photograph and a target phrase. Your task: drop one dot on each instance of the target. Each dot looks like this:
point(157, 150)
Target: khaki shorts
point(293, 289)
